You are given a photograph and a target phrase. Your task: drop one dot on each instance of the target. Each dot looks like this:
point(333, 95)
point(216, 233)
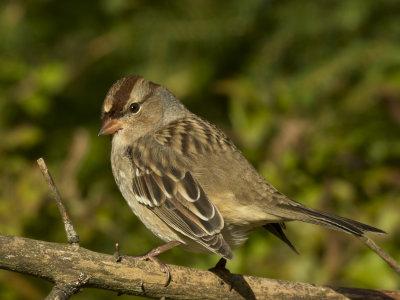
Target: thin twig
point(72, 235)
point(385, 256)
point(116, 253)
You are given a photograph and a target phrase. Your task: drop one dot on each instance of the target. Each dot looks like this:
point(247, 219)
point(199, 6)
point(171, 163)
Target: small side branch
point(72, 235)
point(63, 291)
point(384, 255)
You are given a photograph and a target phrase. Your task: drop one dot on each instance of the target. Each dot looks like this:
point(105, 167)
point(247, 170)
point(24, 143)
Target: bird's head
point(134, 107)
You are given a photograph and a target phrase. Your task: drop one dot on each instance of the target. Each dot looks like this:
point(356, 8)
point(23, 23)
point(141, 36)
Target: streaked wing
point(175, 196)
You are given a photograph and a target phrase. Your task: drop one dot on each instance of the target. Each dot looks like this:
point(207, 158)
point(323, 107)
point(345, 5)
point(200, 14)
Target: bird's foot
point(152, 255)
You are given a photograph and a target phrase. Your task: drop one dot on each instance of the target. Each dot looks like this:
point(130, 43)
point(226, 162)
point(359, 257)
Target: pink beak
point(110, 126)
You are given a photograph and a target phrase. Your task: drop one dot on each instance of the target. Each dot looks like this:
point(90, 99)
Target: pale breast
point(124, 173)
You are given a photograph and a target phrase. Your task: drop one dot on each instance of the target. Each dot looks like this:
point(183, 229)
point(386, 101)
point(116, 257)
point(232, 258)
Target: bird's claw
point(158, 262)
point(152, 255)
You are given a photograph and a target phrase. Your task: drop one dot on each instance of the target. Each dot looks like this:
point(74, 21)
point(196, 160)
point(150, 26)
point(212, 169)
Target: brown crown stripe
point(123, 91)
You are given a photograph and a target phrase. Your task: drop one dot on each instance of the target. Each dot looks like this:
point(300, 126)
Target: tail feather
point(277, 230)
point(309, 215)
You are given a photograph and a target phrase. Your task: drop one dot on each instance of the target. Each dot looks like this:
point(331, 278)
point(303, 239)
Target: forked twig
point(72, 235)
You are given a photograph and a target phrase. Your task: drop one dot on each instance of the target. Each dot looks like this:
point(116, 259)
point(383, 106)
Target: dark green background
point(308, 90)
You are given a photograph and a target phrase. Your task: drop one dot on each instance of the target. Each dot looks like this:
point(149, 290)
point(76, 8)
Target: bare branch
point(65, 264)
point(72, 235)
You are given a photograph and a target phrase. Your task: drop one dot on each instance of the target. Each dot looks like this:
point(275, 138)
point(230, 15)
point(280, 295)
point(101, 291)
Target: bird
point(187, 181)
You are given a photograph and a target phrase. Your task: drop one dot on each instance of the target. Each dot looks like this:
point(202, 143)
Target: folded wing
point(167, 188)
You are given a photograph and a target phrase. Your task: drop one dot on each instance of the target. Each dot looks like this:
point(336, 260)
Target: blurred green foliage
point(309, 91)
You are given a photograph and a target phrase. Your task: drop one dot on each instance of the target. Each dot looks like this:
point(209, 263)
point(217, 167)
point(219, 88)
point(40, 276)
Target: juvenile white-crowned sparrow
point(186, 180)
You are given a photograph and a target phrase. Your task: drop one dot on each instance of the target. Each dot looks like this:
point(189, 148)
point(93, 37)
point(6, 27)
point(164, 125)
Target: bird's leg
point(152, 255)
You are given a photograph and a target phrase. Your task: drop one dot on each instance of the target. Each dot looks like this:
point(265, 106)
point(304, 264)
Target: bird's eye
point(134, 107)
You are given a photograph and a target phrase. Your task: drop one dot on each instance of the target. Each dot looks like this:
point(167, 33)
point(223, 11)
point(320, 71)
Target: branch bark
point(70, 265)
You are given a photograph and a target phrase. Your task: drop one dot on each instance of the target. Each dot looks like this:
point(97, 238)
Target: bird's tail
point(310, 215)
